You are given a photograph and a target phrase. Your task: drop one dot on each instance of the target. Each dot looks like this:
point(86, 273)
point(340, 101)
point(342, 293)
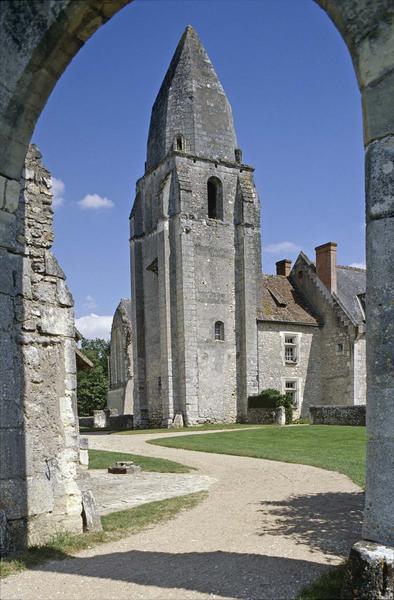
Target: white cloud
point(90, 302)
point(281, 247)
point(95, 201)
point(58, 189)
point(358, 265)
point(94, 326)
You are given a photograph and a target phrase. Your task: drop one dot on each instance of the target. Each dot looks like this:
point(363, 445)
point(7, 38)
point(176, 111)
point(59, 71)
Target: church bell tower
point(195, 255)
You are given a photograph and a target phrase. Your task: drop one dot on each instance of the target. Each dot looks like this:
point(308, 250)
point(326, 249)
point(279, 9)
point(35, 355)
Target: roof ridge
point(349, 268)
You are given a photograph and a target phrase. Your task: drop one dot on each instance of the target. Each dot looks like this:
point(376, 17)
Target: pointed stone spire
point(191, 111)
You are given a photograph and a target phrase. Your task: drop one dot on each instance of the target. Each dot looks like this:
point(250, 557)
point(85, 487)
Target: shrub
point(271, 398)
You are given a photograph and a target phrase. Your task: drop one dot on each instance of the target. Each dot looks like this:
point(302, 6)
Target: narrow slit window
point(180, 144)
point(219, 331)
point(215, 198)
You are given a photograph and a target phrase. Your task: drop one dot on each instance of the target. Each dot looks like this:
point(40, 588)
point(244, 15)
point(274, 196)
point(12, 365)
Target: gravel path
point(266, 530)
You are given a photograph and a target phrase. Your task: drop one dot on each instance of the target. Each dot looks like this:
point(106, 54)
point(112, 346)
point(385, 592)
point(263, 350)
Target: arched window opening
point(219, 331)
point(215, 198)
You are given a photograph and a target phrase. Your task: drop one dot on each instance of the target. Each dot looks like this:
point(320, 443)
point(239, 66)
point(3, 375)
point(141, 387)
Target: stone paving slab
point(120, 492)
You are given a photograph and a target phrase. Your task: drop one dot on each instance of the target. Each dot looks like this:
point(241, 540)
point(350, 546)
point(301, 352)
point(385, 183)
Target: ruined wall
point(39, 460)
point(274, 371)
point(120, 392)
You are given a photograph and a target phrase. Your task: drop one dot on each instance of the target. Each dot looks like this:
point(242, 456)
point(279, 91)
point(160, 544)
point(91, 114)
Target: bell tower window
point(215, 198)
point(219, 331)
point(179, 143)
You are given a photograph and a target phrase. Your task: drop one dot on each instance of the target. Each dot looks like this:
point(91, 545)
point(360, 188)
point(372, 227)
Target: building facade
point(311, 331)
point(208, 329)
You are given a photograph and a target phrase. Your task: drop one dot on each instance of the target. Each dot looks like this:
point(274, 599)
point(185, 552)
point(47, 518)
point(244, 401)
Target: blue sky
point(296, 106)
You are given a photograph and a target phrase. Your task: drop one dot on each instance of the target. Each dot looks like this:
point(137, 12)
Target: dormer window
point(215, 198)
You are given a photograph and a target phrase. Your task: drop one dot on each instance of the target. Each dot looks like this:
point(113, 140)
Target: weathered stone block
point(11, 198)
point(84, 452)
point(378, 108)
point(5, 537)
point(13, 493)
point(40, 494)
point(6, 313)
point(379, 169)
point(378, 524)
point(101, 419)
point(370, 572)
point(90, 516)
point(8, 230)
point(3, 182)
point(57, 321)
point(52, 267)
point(64, 295)
point(12, 463)
point(280, 416)
point(45, 291)
point(11, 269)
point(178, 421)
point(124, 468)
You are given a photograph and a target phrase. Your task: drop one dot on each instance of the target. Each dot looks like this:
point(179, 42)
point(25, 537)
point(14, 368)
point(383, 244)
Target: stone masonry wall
point(337, 415)
point(39, 460)
point(273, 371)
point(337, 338)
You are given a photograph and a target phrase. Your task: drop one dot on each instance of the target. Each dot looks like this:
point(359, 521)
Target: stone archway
point(38, 41)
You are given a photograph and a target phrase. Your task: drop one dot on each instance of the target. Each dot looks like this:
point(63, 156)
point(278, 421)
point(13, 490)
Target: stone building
point(208, 329)
point(195, 254)
point(120, 367)
point(311, 331)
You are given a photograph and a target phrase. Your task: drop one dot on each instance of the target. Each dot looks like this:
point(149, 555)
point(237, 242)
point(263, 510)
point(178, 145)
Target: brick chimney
point(326, 265)
point(283, 267)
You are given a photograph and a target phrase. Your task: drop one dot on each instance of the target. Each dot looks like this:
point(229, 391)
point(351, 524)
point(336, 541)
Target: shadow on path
point(226, 574)
point(329, 522)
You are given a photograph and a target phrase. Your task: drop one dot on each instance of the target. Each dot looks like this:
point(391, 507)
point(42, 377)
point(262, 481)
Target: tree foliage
point(92, 384)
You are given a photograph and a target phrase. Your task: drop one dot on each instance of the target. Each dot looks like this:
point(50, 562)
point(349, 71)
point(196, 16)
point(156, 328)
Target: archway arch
point(38, 43)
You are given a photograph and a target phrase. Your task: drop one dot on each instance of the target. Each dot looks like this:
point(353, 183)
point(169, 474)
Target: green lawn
point(101, 459)
point(115, 526)
point(205, 427)
point(336, 448)
point(327, 587)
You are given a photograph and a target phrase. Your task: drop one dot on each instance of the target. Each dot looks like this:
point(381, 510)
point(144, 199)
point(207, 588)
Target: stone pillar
point(379, 504)
point(280, 416)
point(368, 30)
point(84, 452)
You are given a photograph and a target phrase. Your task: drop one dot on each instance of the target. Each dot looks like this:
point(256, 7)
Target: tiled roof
point(351, 282)
point(281, 302)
